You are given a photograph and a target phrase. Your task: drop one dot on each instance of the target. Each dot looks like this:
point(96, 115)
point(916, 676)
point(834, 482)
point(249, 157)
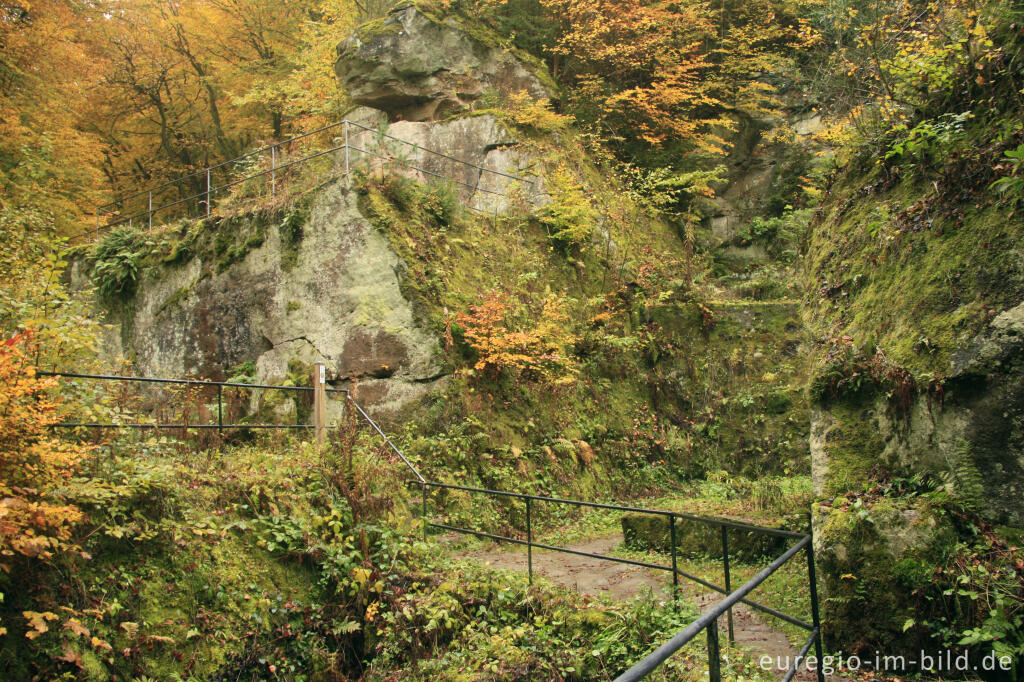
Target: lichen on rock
point(418, 67)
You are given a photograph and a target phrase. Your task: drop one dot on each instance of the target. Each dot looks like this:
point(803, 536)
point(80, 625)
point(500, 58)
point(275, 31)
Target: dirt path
point(620, 581)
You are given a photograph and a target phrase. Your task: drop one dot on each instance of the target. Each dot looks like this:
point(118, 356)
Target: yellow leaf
point(37, 621)
point(75, 626)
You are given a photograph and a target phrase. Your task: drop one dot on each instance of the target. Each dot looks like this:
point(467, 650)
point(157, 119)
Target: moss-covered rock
point(966, 433)
point(697, 539)
point(872, 558)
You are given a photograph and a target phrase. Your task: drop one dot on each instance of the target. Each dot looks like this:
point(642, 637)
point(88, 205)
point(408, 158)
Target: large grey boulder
point(477, 155)
point(417, 67)
point(253, 291)
point(333, 296)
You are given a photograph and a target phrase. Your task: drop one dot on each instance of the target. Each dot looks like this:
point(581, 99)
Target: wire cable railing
point(707, 622)
point(220, 426)
point(197, 192)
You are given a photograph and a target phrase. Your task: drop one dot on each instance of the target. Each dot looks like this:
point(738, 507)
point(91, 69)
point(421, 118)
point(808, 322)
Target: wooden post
point(319, 403)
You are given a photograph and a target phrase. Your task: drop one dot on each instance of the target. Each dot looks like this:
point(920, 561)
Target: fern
point(963, 479)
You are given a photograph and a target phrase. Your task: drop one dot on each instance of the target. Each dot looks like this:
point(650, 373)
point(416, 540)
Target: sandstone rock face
point(972, 436)
point(334, 293)
point(476, 155)
point(419, 68)
point(339, 303)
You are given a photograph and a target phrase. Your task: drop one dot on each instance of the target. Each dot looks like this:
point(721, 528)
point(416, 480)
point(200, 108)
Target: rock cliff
point(914, 290)
point(418, 67)
point(319, 281)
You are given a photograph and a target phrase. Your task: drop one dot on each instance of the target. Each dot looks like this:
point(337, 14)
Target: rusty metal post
point(529, 541)
point(207, 192)
point(815, 616)
point(273, 170)
point(319, 403)
point(714, 653)
point(675, 564)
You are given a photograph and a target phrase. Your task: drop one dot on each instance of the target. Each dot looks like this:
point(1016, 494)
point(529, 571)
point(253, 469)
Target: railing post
point(207, 192)
point(347, 169)
point(273, 170)
point(714, 658)
point(220, 412)
point(423, 509)
point(529, 541)
point(675, 570)
point(150, 210)
point(728, 577)
point(319, 403)
point(815, 616)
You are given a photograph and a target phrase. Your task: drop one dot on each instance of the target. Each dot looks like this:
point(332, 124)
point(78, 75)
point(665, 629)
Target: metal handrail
point(219, 385)
point(394, 448)
point(161, 380)
point(707, 622)
point(198, 173)
point(105, 209)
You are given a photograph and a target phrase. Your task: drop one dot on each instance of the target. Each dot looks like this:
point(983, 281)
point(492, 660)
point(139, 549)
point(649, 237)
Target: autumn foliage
point(32, 461)
point(507, 340)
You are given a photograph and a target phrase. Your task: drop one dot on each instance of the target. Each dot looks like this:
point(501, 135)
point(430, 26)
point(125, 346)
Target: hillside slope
point(915, 280)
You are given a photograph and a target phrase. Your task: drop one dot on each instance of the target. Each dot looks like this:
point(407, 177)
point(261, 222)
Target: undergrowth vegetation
point(275, 561)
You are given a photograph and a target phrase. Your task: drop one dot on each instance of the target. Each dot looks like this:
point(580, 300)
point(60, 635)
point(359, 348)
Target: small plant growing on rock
point(570, 218)
point(116, 259)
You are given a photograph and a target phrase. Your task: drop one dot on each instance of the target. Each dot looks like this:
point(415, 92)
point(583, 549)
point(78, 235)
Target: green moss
point(904, 267)
point(873, 558)
point(852, 447)
point(177, 297)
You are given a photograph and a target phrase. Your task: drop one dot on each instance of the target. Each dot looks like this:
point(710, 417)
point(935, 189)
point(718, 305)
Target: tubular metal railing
point(707, 622)
point(203, 198)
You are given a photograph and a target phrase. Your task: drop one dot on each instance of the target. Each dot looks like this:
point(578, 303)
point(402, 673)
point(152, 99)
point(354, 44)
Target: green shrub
point(116, 259)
